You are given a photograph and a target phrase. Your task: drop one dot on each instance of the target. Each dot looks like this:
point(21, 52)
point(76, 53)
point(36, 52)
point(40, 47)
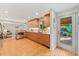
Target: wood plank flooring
point(22, 47)
point(61, 52)
point(26, 47)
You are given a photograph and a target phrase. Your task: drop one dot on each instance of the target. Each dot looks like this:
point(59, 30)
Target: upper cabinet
point(34, 23)
point(47, 20)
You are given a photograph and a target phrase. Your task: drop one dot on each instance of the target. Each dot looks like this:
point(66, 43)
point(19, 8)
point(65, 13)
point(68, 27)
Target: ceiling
point(24, 11)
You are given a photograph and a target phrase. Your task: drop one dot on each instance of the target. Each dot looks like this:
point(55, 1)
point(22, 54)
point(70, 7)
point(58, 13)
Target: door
point(78, 34)
point(67, 32)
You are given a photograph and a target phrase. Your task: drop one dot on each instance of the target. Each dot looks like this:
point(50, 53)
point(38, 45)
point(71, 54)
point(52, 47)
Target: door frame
point(78, 32)
point(65, 46)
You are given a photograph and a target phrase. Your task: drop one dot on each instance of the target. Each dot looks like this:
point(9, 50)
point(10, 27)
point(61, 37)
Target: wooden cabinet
point(47, 20)
point(43, 39)
point(34, 23)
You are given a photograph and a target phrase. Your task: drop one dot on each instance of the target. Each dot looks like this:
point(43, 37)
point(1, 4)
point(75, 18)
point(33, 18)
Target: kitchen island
point(40, 38)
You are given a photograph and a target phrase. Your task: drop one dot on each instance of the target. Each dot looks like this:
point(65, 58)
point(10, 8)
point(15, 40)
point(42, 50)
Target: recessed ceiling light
point(5, 11)
point(36, 13)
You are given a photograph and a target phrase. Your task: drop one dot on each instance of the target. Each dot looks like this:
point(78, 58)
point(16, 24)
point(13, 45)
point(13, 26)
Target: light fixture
point(36, 13)
point(5, 11)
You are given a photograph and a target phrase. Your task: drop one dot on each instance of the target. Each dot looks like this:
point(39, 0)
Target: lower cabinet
point(43, 39)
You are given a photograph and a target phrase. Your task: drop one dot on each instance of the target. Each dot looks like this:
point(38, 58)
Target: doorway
point(67, 32)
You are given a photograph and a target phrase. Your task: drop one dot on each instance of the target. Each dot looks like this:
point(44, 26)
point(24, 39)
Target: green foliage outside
point(64, 28)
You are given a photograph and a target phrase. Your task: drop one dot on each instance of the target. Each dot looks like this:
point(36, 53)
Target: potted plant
point(42, 27)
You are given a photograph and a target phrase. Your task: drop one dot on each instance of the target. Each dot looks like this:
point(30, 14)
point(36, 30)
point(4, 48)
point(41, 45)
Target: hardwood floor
point(61, 52)
point(26, 47)
point(22, 47)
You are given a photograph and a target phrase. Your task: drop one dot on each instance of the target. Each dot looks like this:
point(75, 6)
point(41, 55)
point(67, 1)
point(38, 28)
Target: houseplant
point(42, 27)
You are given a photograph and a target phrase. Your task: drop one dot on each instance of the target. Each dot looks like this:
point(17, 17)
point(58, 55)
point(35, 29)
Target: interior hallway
point(26, 47)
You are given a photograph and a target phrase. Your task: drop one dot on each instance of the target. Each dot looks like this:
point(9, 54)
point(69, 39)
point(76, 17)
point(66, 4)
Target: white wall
point(22, 26)
point(53, 30)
